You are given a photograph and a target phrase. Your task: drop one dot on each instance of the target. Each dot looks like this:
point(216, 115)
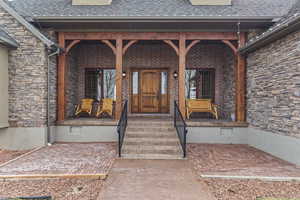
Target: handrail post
point(122, 124)
point(119, 142)
point(185, 133)
point(181, 128)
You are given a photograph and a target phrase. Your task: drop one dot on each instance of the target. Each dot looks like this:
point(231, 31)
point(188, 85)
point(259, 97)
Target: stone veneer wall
point(216, 56)
point(27, 76)
point(274, 87)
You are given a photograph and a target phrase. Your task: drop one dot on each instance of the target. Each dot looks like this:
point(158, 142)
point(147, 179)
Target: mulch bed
point(6, 155)
point(70, 158)
point(64, 189)
point(237, 160)
point(252, 189)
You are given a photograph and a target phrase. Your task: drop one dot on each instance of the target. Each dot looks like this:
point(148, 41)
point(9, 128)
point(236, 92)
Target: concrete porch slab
point(238, 160)
point(64, 159)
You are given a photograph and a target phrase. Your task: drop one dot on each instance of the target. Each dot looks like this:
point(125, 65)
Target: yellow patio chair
point(201, 105)
point(85, 106)
point(107, 107)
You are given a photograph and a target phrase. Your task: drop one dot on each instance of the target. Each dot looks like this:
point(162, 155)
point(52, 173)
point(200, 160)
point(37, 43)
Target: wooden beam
point(193, 43)
point(72, 44)
point(211, 36)
point(108, 43)
point(61, 73)
point(150, 35)
point(241, 83)
point(181, 74)
point(119, 68)
point(171, 44)
point(129, 44)
point(234, 49)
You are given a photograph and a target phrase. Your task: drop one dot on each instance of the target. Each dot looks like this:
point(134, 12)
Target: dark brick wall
point(274, 87)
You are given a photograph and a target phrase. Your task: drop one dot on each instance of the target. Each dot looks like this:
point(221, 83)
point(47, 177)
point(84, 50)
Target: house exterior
point(243, 56)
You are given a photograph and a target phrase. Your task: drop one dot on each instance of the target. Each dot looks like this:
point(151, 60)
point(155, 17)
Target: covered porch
point(151, 70)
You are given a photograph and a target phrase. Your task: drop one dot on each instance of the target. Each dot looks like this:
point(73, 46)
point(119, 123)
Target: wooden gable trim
point(171, 44)
point(108, 43)
point(129, 44)
point(71, 45)
point(193, 43)
point(234, 49)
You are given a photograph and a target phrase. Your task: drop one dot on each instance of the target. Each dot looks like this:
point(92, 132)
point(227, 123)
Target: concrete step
point(151, 123)
point(153, 135)
point(152, 156)
point(149, 129)
point(151, 149)
point(152, 141)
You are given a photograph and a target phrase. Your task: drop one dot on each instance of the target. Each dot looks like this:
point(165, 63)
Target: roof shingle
point(152, 8)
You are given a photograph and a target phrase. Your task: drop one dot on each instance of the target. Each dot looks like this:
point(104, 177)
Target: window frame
point(199, 81)
point(101, 75)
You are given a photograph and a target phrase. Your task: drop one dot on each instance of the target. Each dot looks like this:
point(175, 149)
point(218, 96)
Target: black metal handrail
point(181, 127)
point(122, 124)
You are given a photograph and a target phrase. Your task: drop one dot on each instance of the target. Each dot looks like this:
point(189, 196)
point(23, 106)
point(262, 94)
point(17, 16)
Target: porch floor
point(82, 121)
point(195, 122)
point(214, 123)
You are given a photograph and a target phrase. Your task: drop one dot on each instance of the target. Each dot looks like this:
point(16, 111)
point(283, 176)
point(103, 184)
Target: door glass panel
point(164, 82)
point(135, 83)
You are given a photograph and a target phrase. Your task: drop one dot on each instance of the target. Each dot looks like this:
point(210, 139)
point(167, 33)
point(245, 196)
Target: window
point(200, 83)
point(100, 83)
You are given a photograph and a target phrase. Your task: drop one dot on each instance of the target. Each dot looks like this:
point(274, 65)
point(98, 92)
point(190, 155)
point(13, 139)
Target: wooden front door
point(149, 93)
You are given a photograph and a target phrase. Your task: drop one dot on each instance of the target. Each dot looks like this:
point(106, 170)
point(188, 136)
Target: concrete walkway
point(153, 179)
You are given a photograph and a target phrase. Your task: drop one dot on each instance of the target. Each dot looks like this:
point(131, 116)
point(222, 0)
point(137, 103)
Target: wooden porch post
point(61, 72)
point(181, 73)
point(241, 83)
point(118, 80)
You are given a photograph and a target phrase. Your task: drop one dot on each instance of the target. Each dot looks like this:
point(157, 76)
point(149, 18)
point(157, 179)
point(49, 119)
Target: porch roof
point(158, 9)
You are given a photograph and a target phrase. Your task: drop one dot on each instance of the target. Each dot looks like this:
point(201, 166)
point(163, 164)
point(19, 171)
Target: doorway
point(149, 91)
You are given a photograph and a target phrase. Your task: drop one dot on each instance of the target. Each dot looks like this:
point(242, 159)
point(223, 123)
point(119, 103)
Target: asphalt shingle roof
point(6, 39)
point(285, 22)
point(152, 8)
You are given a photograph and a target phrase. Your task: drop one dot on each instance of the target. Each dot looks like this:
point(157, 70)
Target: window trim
point(198, 70)
point(102, 80)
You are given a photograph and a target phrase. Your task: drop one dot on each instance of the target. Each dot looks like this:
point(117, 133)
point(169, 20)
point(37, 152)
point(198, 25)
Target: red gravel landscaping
point(71, 158)
point(6, 155)
point(59, 189)
point(237, 160)
point(252, 189)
